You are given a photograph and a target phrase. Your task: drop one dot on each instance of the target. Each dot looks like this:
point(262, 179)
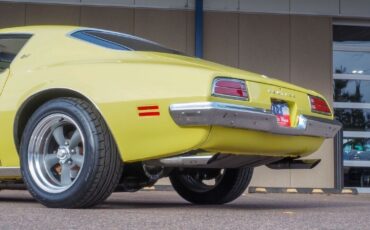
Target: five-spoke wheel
point(56, 155)
point(68, 156)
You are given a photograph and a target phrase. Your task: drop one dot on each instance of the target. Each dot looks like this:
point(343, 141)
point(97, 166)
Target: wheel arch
point(31, 104)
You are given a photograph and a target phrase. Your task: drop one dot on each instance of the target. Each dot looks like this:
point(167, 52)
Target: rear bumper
point(243, 117)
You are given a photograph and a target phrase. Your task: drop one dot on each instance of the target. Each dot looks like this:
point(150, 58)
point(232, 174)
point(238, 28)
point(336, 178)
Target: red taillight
point(319, 105)
point(228, 87)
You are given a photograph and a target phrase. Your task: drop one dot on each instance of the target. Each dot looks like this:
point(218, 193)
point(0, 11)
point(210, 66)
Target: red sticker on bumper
point(283, 120)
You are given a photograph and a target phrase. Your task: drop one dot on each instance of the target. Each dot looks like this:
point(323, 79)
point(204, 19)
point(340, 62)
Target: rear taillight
point(319, 105)
point(230, 88)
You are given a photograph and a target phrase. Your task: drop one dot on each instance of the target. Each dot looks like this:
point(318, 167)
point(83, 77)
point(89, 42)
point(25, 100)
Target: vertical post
point(199, 28)
point(338, 161)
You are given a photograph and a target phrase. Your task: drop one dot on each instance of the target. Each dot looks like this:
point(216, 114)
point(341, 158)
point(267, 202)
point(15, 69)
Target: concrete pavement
point(166, 210)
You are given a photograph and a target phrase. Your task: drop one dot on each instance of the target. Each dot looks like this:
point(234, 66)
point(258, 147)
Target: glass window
point(353, 119)
point(120, 41)
point(356, 155)
point(357, 177)
point(342, 33)
point(10, 45)
point(351, 69)
point(352, 91)
point(356, 149)
point(350, 62)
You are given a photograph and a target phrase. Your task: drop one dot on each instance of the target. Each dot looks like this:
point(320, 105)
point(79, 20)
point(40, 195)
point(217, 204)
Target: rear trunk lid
point(228, 71)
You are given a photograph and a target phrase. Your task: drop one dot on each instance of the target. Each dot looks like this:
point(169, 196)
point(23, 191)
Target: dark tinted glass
point(348, 62)
point(353, 119)
point(352, 91)
point(356, 149)
point(120, 41)
point(351, 33)
point(356, 177)
point(9, 48)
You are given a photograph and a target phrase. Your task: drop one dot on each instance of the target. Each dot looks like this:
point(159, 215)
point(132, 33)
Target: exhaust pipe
point(216, 161)
point(289, 163)
point(181, 161)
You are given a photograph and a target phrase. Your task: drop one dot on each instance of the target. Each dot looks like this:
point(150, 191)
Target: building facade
point(319, 44)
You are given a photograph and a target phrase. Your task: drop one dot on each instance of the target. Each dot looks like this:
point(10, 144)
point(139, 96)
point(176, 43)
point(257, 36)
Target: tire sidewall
point(231, 186)
point(82, 184)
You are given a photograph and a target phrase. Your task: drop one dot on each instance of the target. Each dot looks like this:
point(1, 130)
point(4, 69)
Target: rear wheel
point(211, 186)
point(68, 156)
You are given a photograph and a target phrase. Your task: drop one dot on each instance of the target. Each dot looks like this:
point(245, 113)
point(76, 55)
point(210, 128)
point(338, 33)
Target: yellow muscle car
point(85, 112)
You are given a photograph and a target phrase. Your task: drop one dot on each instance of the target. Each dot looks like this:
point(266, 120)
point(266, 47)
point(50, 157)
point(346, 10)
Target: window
point(351, 74)
point(119, 41)
point(348, 90)
point(349, 62)
point(10, 45)
point(353, 119)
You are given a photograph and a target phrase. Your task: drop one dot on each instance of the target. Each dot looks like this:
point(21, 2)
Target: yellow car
point(85, 112)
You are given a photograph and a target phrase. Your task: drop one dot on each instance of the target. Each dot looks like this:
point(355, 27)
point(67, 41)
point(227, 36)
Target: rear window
point(10, 45)
point(119, 41)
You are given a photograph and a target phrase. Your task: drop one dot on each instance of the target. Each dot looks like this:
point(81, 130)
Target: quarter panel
point(117, 90)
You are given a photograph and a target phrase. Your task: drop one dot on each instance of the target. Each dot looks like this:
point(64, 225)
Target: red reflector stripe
point(148, 110)
point(146, 114)
point(149, 107)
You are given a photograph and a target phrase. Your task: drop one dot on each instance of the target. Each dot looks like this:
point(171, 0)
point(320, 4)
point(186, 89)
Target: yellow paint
point(291, 190)
point(347, 191)
point(261, 190)
point(117, 82)
point(317, 190)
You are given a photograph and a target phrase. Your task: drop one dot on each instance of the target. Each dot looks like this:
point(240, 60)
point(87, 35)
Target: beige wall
point(291, 48)
point(336, 8)
point(221, 38)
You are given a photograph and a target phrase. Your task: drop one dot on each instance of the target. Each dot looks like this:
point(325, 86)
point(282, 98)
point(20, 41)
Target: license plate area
point(282, 112)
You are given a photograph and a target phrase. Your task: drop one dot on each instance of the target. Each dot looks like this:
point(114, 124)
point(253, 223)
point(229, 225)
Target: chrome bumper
point(243, 117)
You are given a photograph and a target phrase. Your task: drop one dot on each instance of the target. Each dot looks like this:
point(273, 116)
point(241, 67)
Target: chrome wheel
point(56, 153)
point(68, 156)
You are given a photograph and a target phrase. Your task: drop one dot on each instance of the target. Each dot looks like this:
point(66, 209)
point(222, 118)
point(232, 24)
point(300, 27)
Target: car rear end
point(259, 117)
point(213, 107)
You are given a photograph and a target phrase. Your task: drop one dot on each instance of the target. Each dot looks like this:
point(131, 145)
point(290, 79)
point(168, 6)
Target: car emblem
point(25, 56)
point(281, 93)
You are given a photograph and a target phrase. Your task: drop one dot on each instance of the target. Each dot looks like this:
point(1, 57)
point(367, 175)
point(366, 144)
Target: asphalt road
point(165, 210)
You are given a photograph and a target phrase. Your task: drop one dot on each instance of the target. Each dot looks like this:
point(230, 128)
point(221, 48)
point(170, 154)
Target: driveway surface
point(166, 210)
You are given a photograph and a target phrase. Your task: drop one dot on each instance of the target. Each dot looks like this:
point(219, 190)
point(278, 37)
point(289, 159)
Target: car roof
point(39, 29)
point(62, 29)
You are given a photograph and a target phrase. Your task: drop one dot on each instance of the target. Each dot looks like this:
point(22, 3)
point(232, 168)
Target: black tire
point(232, 184)
point(102, 166)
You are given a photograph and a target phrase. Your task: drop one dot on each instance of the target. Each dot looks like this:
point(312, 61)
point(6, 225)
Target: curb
point(351, 191)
